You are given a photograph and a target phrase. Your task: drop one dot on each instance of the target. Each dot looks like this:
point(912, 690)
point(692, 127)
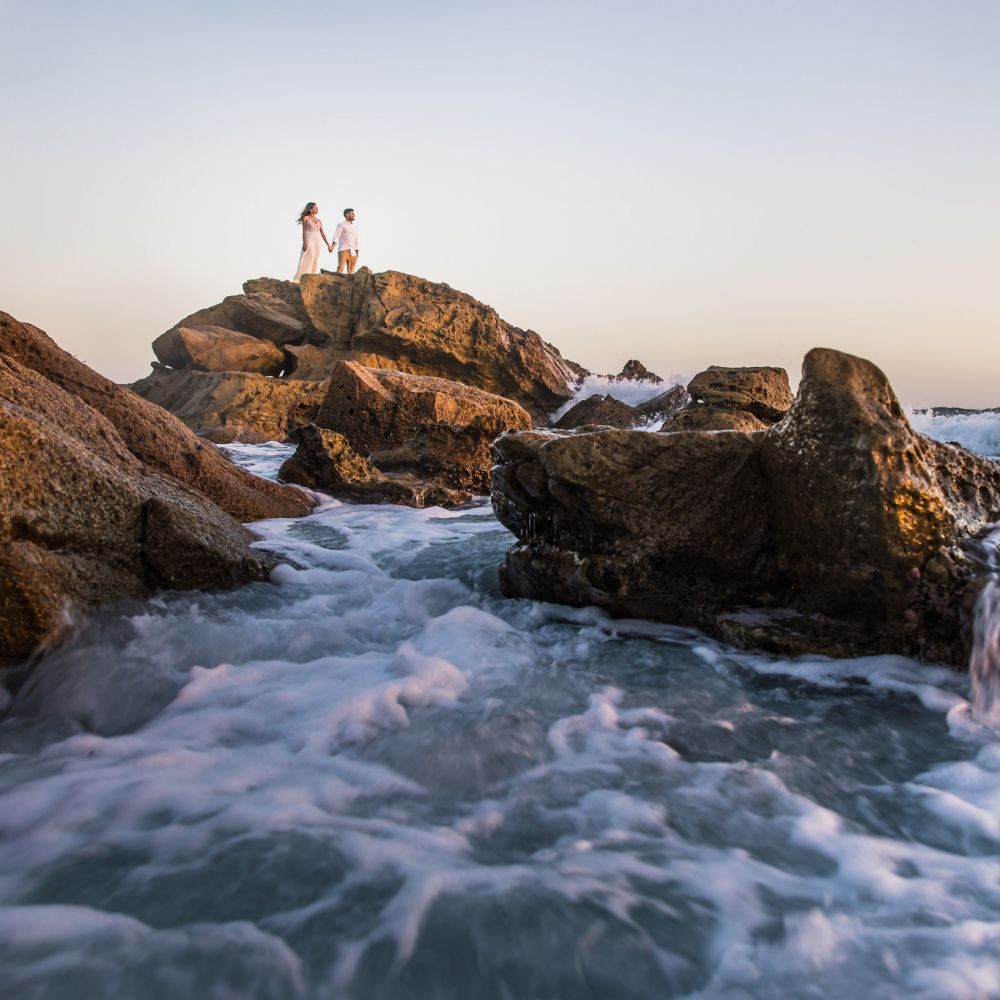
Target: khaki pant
point(346, 259)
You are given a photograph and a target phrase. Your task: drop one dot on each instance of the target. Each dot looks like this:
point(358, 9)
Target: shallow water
point(378, 778)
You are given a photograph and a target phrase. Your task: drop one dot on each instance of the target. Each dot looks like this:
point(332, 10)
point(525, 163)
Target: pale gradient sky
point(689, 183)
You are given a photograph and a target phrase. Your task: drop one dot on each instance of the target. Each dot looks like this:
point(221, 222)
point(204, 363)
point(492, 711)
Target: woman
point(313, 238)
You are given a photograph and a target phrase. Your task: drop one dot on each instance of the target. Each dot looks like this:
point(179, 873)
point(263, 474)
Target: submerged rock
point(598, 409)
point(428, 427)
point(233, 406)
point(90, 507)
point(325, 460)
point(838, 530)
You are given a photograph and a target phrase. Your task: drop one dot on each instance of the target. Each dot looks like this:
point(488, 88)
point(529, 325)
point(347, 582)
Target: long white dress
point(309, 260)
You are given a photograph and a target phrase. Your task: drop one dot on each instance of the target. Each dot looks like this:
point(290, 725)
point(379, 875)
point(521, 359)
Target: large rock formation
point(152, 435)
point(429, 427)
point(839, 529)
point(733, 399)
point(98, 496)
point(388, 320)
point(233, 406)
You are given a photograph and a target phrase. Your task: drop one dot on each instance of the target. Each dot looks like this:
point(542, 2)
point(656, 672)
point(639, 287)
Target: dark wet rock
point(838, 530)
point(597, 409)
point(233, 406)
point(213, 349)
point(325, 460)
point(429, 427)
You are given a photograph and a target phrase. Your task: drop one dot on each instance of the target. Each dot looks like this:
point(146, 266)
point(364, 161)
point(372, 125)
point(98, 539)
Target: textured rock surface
point(635, 371)
point(837, 530)
point(415, 423)
point(158, 439)
point(764, 392)
point(732, 399)
point(395, 321)
point(233, 406)
point(214, 349)
point(598, 409)
point(325, 460)
point(83, 520)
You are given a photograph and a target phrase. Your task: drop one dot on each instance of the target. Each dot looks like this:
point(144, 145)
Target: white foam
point(979, 432)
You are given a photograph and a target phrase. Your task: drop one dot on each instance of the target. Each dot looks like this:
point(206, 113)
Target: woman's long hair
point(310, 205)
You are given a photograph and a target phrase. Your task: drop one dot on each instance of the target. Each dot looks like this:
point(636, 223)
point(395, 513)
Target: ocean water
point(375, 777)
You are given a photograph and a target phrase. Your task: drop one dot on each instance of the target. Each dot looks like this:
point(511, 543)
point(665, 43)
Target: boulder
point(597, 409)
point(233, 406)
point(156, 438)
point(308, 362)
point(325, 460)
point(635, 371)
point(838, 530)
point(83, 520)
point(731, 399)
point(666, 405)
point(427, 426)
point(272, 314)
point(764, 392)
point(213, 349)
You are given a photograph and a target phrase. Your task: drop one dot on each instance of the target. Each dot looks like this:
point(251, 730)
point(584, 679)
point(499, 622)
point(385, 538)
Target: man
point(345, 239)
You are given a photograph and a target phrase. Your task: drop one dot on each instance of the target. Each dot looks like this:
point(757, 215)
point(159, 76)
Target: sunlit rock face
point(839, 529)
point(386, 320)
point(428, 427)
point(104, 496)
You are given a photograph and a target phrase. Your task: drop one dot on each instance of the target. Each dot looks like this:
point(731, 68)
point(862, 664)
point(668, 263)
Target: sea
point(376, 777)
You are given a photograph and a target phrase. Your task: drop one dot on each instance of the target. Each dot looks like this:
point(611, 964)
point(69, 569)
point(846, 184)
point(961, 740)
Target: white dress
point(309, 261)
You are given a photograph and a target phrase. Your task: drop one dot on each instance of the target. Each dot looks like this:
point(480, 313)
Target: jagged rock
point(635, 371)
point(325, 460)
point(158, 439)
point(214, 349)
point(428, 426)
point(83, 520)
point(262, 314)
point(764, 392)
point(401, 322)
point(597, 409)
point(838, 530)
point(233, 406)
point(666, 404)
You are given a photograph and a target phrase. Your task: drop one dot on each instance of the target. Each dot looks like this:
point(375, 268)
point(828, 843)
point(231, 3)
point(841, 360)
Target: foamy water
point(979, 432)
point(377, 778)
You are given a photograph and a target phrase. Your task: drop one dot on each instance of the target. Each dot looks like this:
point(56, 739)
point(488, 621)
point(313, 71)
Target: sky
point(687, 182)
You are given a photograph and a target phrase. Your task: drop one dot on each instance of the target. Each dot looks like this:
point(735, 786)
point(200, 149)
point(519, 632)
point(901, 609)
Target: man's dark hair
point(346, 210)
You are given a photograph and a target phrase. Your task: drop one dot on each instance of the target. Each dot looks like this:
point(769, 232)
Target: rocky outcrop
point(666, 405)
point(233, 406)
point(635, 371)
point(214, 349)
point(732, 399)
point(326, 461)
point(597, 409)
point(839, 529)
point(159, 440)
point(89, 511)
point(425, 426)
point(388, 320)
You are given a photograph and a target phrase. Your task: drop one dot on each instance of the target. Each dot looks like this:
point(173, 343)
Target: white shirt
point(345, 237)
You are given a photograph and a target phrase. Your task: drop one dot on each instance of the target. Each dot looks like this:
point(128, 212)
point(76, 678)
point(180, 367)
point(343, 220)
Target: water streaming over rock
point(984, 663)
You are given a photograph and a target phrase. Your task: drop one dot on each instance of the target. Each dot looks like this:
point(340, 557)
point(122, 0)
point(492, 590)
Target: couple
point(313, 238)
